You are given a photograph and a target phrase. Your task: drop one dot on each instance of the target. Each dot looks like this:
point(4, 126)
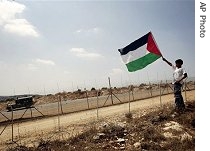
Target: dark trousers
point(179, 102)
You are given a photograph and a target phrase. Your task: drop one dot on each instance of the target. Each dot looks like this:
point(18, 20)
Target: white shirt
point(178, 74)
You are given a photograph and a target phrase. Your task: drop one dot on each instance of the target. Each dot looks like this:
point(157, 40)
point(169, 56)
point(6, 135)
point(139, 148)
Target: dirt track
point(39, 128)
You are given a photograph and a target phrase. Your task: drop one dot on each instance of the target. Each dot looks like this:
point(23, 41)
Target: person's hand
point(163, 58)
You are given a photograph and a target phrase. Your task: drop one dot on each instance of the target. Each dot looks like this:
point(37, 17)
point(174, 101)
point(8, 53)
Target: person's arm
point(170, 64)
point(185, 76)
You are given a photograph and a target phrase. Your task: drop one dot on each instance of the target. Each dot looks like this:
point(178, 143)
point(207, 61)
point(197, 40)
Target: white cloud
point(21, 27)
point(78, 50)
point(94, 30)
point(37, 64)
point(116, 71)
point(82, 53)
point(9, 12)
point(46, 62)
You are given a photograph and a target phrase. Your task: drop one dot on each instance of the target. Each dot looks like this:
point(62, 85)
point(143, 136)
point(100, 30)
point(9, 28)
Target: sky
point(50, 46)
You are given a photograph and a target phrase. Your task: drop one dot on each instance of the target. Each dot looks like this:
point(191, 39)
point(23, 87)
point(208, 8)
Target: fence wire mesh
point(11, 123)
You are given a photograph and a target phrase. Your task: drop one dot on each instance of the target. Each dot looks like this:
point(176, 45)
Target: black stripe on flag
point(134, 45)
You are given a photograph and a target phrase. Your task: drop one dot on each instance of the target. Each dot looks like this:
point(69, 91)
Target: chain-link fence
point(103, 98)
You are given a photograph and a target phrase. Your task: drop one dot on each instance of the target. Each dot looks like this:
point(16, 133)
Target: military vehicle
point(21, 103)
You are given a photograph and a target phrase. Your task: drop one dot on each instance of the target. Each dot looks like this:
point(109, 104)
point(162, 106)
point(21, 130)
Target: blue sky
point(50, 46)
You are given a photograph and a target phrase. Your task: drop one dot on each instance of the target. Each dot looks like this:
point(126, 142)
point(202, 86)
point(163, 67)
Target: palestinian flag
point(140, 53)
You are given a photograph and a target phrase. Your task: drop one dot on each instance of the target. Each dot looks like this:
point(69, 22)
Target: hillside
point(158, 129)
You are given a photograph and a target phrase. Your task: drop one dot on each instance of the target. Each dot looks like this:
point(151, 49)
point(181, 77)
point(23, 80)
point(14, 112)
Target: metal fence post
point(97, 104)
point(160, 93)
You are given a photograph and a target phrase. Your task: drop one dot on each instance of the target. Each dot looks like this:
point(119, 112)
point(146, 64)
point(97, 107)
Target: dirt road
point(71, 106)
point(39, 128)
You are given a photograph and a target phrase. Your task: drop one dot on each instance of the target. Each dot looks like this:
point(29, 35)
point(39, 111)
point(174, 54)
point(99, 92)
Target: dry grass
point(146, 131)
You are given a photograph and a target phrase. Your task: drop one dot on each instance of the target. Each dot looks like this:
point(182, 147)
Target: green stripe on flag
point(142, 62)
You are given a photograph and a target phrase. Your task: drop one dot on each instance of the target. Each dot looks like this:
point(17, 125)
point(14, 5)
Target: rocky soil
point(159, 129)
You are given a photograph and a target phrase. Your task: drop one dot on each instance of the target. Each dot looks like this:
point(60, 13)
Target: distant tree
point(104, 88)
point(9, 99)
point(93, 89)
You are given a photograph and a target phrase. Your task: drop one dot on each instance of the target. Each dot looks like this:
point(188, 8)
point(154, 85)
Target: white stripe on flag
point(136, 54)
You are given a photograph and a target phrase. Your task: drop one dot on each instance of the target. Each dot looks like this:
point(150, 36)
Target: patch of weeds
point(147, 130)
point(175, 144)
point(85, 136)
point(113, 131)
point(152, 134)
point(19, 148)
point(129, 115)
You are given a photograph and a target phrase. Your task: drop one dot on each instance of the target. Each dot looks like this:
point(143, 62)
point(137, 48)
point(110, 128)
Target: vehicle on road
point(21, 103)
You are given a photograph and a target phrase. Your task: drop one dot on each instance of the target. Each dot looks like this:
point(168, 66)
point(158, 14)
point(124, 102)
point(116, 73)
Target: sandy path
point(43, 126)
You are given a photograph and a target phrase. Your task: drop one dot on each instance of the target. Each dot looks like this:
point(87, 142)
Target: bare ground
point(62, 127)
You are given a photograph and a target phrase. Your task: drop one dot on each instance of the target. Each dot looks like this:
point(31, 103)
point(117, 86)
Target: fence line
point(71, 106)
point(137, 93)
